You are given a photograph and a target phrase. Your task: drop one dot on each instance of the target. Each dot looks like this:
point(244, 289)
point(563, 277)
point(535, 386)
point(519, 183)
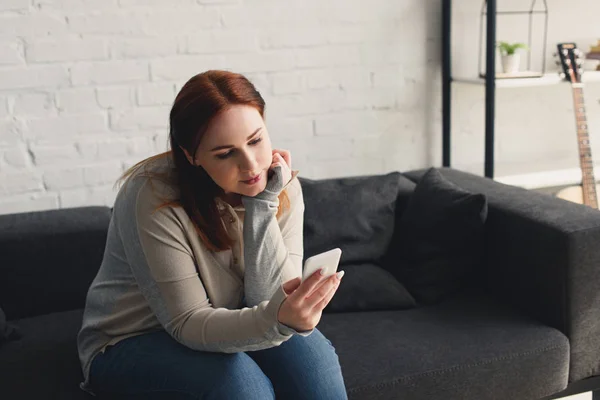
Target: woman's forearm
point(272, 251)
point(265, 254)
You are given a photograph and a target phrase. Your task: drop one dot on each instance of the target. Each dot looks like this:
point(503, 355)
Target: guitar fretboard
point(585, 151)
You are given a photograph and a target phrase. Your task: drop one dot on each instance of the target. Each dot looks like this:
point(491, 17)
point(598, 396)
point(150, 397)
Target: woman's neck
point(233, 199)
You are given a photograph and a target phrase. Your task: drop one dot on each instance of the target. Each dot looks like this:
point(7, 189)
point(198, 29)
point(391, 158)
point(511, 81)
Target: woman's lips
point(253, 180)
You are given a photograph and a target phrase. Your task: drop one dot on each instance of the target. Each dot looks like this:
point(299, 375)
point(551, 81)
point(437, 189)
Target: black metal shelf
point(490, 83)
point(489, 79)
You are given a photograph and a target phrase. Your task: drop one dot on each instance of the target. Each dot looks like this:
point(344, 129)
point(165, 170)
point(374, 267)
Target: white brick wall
point(34, 77)
point(351, 88)
point(3, 106)
point(11, 52)
point(76, 100)
point(33, 104)
point(60, 50)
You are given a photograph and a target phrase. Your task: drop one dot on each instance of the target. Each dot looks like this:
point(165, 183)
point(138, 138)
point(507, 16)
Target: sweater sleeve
point(273, 249)
point(164, 269)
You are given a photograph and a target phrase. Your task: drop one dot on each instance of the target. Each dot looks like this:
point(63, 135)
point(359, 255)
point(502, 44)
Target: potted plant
point(510, 58)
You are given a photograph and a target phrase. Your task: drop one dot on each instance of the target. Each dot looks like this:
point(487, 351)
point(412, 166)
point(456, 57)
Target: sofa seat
point(468, 343)
point(43, 364)
point(465, 347)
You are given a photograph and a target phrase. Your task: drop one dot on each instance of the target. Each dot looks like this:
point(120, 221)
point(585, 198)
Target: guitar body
point(573, 194)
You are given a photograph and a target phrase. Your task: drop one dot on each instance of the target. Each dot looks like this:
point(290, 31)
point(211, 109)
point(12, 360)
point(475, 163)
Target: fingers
point(309, 284)
point(286, 172)
point(278, 160)
point(291, 285)
point(322, 291)
point(285, 155)
point(306, 311)
point(323, 303)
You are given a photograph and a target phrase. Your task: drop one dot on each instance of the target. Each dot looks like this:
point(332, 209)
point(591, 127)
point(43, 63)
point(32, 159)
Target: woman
point(198, 294)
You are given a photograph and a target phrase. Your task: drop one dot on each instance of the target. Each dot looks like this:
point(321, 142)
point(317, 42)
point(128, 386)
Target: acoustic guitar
point(571, 60)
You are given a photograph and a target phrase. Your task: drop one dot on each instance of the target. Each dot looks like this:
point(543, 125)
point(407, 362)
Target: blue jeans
point(156, 366)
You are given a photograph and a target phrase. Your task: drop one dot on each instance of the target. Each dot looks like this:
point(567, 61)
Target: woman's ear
point(188, 156)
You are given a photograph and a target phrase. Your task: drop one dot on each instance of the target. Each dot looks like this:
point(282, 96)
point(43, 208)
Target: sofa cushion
point(43, 363)
point(49, 258)
point(7, 331)
point(467, 347)
point(439, 239)
point(369, 287)
point(355, 214)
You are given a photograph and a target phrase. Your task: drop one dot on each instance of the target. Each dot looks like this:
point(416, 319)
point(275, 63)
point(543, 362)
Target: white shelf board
point(537, 180)
point(545, 80)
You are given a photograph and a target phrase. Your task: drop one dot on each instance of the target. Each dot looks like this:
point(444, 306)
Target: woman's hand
point(303, 307)
point(282, 158)
point(279, 175)
point(285, 154)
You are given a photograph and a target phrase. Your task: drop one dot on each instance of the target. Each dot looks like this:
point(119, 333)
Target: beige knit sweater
point(156, 273)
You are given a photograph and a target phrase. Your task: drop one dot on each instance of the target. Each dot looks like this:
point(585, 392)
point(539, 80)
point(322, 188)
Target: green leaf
point(510, 48)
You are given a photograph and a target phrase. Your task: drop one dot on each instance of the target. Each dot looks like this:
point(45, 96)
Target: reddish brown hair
point(200, 100)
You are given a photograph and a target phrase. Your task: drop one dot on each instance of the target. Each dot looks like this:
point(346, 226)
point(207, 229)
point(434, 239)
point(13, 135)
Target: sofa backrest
point(356, 214)
point(49, 258)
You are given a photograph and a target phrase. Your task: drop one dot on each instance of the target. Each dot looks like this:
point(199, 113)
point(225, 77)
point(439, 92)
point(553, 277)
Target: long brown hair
point(200, 100)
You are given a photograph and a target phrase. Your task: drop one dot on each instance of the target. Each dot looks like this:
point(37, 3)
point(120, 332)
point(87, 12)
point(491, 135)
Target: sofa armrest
point(543, 256)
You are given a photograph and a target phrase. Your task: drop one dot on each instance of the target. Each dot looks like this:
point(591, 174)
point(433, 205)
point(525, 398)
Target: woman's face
point(236, 151)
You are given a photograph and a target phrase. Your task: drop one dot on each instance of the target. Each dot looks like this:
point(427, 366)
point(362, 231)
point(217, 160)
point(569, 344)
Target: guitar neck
point(585, 151)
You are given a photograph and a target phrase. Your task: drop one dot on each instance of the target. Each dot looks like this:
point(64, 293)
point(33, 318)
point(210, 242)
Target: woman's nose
point(248, 162)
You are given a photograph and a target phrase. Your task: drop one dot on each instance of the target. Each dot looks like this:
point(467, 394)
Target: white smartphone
point(329, 260)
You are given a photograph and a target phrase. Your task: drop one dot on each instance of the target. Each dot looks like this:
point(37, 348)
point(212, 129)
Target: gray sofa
point(527, 328)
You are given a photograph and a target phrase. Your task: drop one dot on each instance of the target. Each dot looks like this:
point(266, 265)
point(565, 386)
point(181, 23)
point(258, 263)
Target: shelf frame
point(490, 84)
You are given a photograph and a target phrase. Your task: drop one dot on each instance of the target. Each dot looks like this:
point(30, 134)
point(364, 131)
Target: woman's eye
point(226, 155)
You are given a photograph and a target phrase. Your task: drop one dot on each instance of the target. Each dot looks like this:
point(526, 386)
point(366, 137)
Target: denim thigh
point(303, 368)
point(155, 366)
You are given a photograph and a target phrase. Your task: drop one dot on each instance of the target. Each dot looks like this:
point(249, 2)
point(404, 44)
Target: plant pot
point(510, 63)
